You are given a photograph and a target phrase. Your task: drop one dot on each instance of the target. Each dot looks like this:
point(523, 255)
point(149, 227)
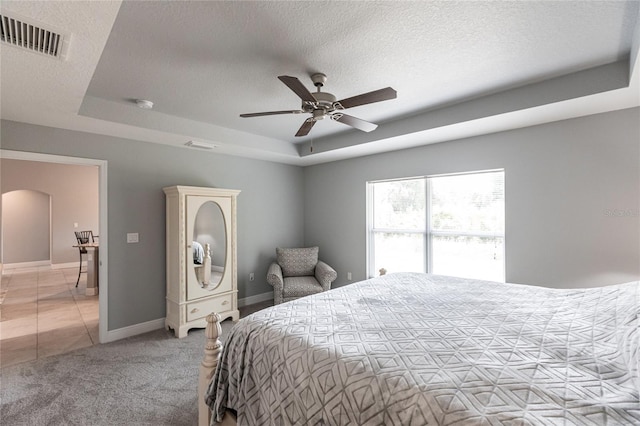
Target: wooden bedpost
point(212, 349)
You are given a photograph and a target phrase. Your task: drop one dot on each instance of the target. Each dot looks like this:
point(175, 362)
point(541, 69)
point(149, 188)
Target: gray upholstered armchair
point(297, 272)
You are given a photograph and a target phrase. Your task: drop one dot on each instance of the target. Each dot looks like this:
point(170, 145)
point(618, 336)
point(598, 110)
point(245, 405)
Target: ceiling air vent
point(32, 36)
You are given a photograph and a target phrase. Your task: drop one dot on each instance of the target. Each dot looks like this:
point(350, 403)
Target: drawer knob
point(226, 302)
point(194, 310)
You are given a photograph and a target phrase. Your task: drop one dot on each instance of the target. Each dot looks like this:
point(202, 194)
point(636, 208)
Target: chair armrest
point(325, 275)
point(274, 278)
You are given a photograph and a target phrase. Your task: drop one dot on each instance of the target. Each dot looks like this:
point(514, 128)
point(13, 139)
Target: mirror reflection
point(209, 245)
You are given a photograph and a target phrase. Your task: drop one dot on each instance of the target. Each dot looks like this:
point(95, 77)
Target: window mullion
point(427, 219)
point(399, 230)
point(467, 234)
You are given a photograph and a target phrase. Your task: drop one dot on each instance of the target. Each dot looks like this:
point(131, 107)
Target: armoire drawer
point(201, 309)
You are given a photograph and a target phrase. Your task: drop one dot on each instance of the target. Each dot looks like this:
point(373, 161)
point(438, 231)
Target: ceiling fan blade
point(298, 88)
point(306, 127)
point(260, 114)
point(367, 98)
point(354, 122)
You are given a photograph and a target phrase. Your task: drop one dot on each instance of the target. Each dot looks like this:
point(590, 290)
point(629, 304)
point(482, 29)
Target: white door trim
point(103, 219)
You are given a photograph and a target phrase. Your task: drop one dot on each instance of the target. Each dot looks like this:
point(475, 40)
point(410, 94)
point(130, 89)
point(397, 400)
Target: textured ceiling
point(204, 63)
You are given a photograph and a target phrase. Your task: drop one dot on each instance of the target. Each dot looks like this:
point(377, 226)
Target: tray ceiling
point(460, 69)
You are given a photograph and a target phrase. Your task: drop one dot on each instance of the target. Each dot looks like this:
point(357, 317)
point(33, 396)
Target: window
point(449, 225)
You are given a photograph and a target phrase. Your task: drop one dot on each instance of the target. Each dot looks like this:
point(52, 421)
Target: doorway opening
point(62, 261)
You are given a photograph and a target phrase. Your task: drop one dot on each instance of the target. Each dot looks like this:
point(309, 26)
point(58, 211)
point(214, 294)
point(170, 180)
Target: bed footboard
point(212, 349)
point(208, 365)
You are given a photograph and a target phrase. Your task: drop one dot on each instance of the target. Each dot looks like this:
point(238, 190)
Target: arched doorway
point(26, 228)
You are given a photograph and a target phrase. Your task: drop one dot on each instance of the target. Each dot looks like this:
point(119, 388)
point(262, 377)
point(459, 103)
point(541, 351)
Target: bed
point(418, 349)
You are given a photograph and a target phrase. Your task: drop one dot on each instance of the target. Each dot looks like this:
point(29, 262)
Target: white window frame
point(428, 232)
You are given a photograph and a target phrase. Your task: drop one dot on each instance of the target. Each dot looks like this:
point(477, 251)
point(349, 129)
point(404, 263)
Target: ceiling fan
point(324, 104)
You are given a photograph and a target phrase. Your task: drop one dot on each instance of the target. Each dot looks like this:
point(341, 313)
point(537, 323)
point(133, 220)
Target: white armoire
point(201, 256)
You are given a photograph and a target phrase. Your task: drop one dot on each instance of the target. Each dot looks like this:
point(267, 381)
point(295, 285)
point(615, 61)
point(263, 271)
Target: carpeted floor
point(149, 379)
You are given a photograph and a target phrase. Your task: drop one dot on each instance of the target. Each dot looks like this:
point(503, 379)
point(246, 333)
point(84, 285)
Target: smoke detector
point(144, 104)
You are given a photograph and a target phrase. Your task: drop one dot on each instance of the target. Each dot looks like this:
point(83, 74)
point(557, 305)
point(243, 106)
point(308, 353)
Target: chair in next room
point(83, 237)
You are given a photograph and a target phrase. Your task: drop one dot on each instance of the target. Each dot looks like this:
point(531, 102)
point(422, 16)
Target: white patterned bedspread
point(417, 349)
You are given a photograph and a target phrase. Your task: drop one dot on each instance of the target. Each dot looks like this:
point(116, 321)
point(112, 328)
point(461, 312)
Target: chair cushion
point(297, 262)
point(300, 286)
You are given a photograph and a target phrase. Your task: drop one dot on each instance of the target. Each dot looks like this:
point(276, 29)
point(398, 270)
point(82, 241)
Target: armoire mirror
point(209, 245)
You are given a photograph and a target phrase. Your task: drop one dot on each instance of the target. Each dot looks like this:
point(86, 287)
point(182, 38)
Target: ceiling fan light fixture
point(318, 114)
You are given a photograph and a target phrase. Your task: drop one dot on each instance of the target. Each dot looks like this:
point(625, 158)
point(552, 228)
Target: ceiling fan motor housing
point(324, 104)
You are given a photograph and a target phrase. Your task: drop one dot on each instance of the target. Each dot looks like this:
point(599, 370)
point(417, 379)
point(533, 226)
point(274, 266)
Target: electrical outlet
point(349, 277)
point(75, 224)
point(132, 237)
point(251, 276)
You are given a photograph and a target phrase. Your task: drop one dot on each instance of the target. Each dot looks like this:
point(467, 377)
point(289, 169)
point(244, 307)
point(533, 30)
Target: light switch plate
point(132, 237)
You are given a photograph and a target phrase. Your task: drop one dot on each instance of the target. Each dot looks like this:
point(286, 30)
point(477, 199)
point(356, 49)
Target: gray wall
point(565, 184)
point(25, 226)
point(74, 199)
point(270, 209)
point(572, 198)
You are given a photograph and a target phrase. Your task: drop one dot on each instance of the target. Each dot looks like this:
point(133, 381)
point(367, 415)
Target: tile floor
point(43, 314)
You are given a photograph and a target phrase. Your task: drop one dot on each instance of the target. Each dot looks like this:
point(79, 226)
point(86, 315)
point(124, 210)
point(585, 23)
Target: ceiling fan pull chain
point(311, 145)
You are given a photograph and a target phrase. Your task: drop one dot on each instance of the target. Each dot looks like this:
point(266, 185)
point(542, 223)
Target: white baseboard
point(20, 265)
point(39, 263)
point(133, 330)
point(67, 265)
point(252, 300)
point(145, 327)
